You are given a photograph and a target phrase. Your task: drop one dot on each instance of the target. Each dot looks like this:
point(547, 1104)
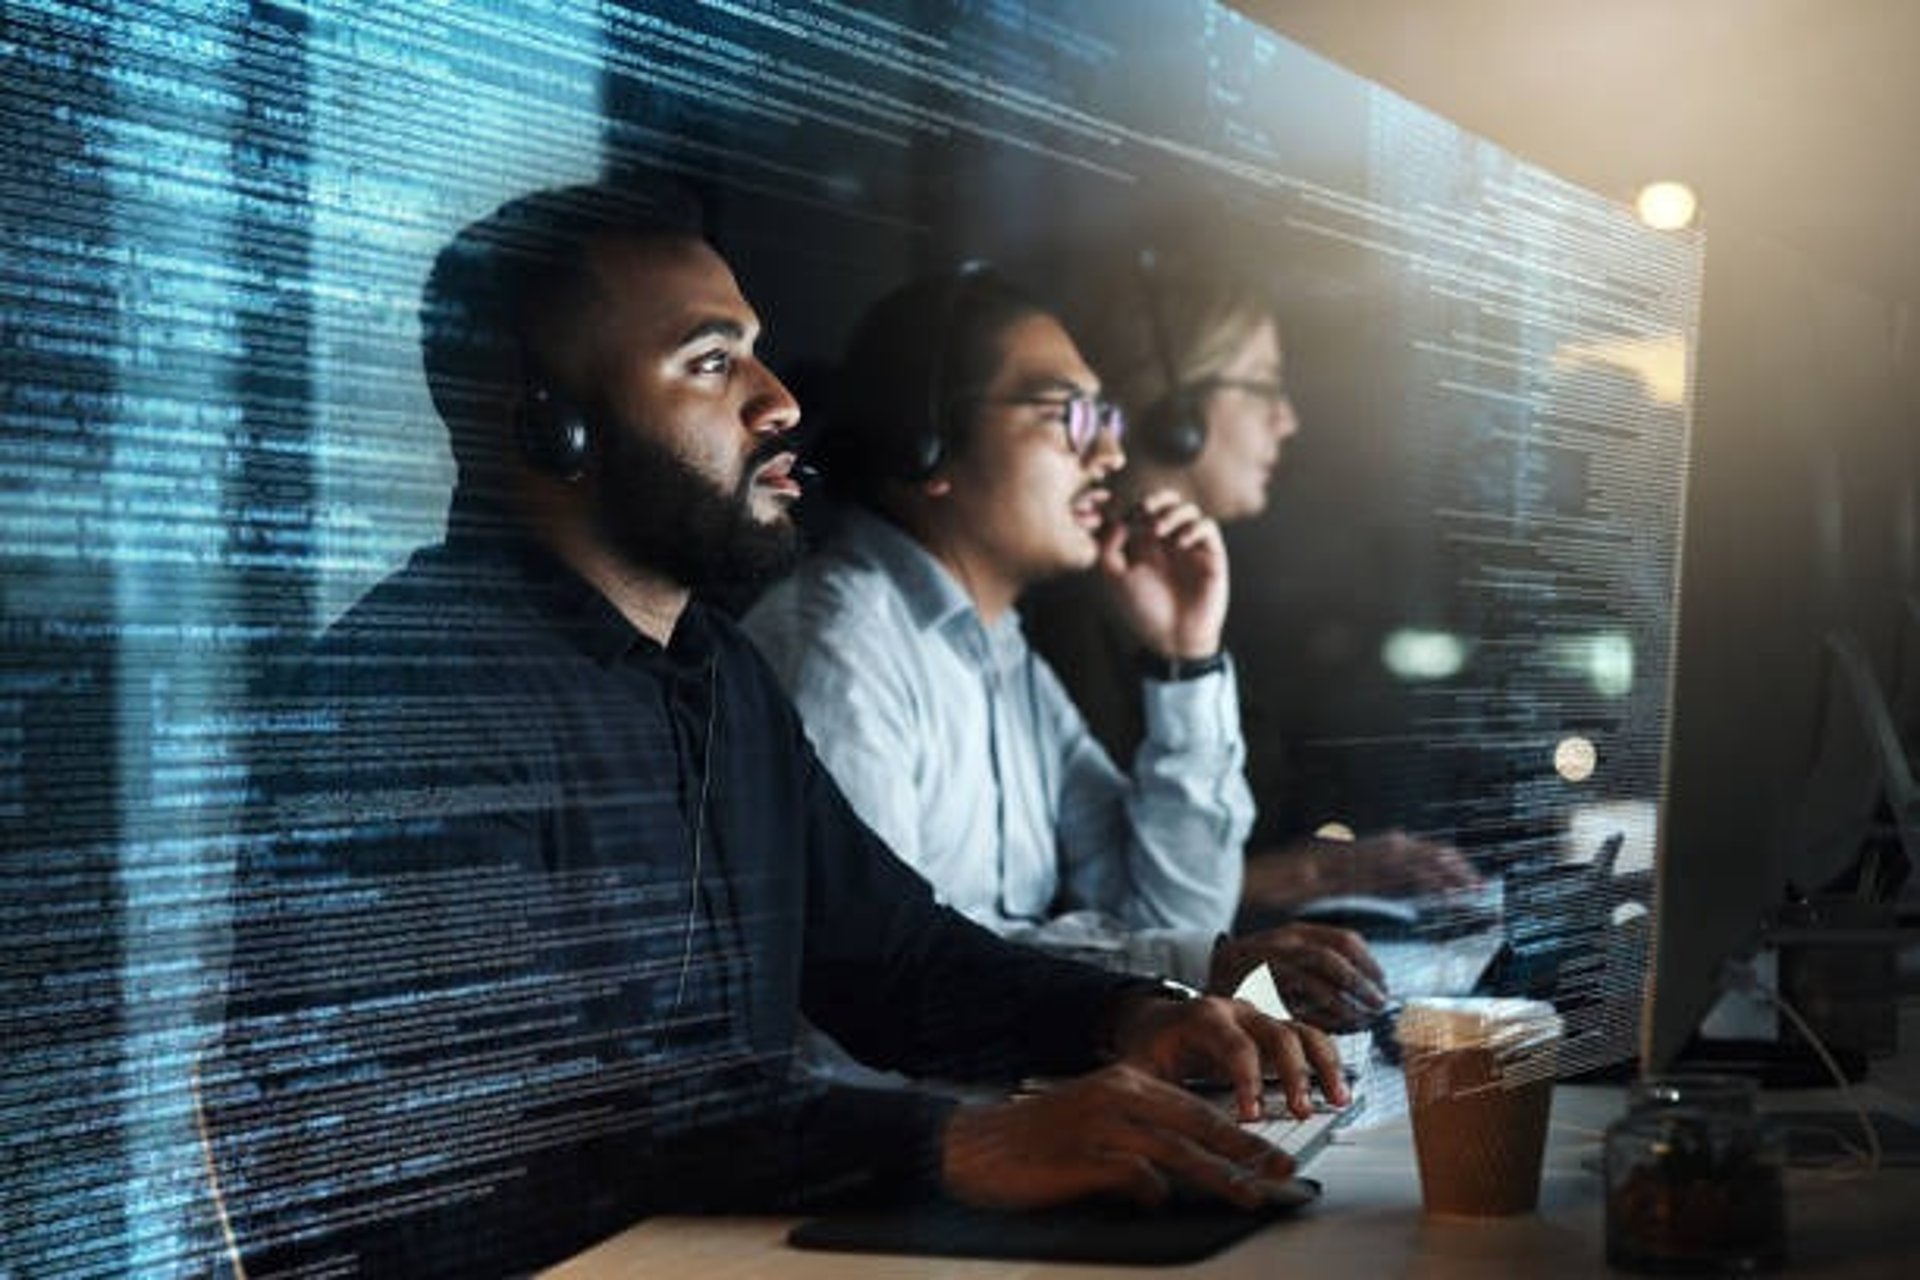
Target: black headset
point(1173, 429)
point(550, 426)
point(552, 431)
point(917, 451)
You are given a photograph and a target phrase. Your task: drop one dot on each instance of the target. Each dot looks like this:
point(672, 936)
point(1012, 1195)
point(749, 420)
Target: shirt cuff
point(1185, 955)
point(1174, 670)
point(1203, 712)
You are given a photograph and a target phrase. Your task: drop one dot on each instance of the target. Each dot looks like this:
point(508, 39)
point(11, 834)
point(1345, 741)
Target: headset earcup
point(925, 447)
point(1174, 431)
point(552, 433)
point(922, 451)
point(892, 435)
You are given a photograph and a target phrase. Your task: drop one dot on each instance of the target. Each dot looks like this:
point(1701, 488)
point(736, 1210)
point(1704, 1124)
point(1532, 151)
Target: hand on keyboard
point(1119, 1132)
point(1299, 1136)
point(1229, 1041)
point(1302, 1138)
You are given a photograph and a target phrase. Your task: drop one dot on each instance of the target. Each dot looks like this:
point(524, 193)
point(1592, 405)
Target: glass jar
point(1694, 1180)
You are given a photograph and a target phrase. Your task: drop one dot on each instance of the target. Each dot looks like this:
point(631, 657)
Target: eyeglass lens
point(1271, 392)
point(1088, 418)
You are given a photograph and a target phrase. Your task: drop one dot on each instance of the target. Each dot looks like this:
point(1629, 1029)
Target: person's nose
point(1286, 423)
point(1107, 456)
point(772, 408)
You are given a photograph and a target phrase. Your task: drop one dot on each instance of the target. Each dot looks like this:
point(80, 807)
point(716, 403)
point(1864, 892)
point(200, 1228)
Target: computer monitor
point(1458, 618)
point(1906, 688)
point(1788, 591)
point(1906, 577)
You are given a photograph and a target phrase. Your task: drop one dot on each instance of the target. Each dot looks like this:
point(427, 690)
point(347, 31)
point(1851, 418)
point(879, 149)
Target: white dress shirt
point(958, 745)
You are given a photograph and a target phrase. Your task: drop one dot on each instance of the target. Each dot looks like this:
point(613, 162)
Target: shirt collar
point(934, 599)
point(599, 629)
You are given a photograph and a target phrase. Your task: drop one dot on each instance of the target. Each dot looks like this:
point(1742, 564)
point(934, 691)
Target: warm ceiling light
point(1666, 206)
point(1574, 758)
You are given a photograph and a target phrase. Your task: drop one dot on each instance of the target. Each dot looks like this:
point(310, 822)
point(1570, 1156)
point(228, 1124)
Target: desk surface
point(1369, 1223)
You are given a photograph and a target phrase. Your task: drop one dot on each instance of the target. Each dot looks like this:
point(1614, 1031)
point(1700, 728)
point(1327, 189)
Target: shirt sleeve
point(381, 1074)
point(1182, 816)
point(1094, 937)
point(440, 1052)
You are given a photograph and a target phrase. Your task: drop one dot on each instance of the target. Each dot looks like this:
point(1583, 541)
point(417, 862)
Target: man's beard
point(657, 511)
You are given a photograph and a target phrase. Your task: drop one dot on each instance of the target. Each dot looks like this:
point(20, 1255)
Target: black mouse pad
point(1117, 1234)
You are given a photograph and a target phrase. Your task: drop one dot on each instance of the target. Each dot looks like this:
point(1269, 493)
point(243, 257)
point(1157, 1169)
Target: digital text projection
point(215, 436)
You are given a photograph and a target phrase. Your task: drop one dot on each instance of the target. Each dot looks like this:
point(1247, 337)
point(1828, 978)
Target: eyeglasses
point(1274, 393)
point(1083, 418)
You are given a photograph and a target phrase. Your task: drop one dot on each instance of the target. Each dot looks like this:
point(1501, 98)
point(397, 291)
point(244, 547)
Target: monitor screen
point(1456, 618)
point(1789, 636)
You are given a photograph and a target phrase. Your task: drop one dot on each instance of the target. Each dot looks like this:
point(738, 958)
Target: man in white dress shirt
point(971, 446)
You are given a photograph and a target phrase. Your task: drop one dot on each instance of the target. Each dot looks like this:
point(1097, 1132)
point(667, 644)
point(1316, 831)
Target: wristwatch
point(1155, 667)
point(1170, 989)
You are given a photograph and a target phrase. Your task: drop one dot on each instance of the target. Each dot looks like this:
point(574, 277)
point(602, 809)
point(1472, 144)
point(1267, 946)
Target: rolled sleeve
point(1183, 814)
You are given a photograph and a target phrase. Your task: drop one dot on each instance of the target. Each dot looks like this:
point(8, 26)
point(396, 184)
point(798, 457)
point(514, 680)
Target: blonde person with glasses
point(1193, 355)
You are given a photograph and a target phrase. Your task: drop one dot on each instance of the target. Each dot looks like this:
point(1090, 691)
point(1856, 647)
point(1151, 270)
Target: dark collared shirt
point(524, 961)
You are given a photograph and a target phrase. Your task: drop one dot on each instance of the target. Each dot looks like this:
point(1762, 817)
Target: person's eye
point(712, 362)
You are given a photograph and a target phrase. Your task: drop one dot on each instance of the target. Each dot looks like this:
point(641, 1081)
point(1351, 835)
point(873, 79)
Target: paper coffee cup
point(1479, 1086)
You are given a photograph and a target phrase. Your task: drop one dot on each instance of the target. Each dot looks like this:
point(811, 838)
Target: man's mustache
point(769, 449)
point(766, 451)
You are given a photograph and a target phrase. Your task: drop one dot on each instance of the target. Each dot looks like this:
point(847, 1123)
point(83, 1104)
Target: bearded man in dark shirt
point(556, 868)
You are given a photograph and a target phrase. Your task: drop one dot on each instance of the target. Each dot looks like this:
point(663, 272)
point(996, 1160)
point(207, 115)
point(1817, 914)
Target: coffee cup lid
point(1476, 1022)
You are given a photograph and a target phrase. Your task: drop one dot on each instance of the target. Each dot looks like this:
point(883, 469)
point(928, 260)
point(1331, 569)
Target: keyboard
point(1303, 1139)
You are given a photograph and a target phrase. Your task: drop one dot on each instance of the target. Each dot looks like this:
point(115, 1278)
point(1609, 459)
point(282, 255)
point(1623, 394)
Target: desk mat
point(1181, 1231)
